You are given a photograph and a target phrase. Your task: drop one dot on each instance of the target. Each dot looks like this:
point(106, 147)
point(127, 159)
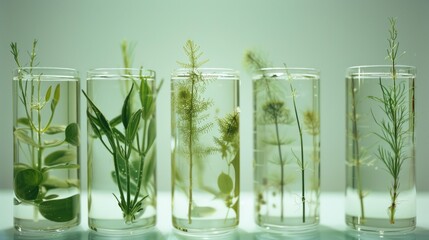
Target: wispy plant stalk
point(393, 131)
point(190, 107)
point(274, 108)
point(356, 152)
point(301, 141)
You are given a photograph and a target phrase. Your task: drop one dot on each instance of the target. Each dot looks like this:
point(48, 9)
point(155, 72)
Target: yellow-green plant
point(393, 129)
point(275, 112)
point(33, 181)
point(300, 160)
point(229, 147)
point(192, 108)
point(357, 154)
point(312, 127)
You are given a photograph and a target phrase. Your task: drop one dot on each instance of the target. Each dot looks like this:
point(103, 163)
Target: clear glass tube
point(121, 150)
point(205, 150)
point(46, 149)
point(380, 156)
point(286, 148)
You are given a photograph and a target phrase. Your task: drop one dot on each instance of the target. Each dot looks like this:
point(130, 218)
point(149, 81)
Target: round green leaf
point(26, 184)
point(60, 210)
point(72, 134)
point(225, 184)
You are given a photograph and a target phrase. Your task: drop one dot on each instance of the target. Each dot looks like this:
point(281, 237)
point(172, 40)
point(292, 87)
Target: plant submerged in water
point(393, 130)
point(33, 181)
point(229, 147)
point(193, 122)
point(275, 112)
point(357, 155)
point(191, 109)
point(300, 160)
point(131, 150)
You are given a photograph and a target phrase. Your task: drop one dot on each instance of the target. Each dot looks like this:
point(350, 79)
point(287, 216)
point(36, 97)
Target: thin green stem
point(190, 146)
point(39, 127)
point(256, 63)
point(356, 151)
point(281, 161)
point(142, 155)
point(293, 91)
point(282, 183)
point(127, 168)
point(117, 171)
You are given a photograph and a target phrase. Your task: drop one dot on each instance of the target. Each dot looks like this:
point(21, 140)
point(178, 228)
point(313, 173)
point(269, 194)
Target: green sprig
point(191, 108)
point(32, 182)
point(393, 129)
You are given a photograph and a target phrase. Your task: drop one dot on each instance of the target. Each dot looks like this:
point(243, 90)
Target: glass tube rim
point(106, 73)
point(379, 70)
point(181, 73)
point(46, 73)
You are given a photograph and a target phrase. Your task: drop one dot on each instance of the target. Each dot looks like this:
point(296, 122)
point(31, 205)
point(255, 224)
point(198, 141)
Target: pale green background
point(330, 35)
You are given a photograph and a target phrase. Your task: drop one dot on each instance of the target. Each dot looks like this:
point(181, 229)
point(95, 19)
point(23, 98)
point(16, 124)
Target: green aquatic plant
point(33, 134)
point(312, 127)
point(357, 155)
point(191, 108)
point(275, 112)
point(394, 132)
point(133, 148)
point(129, 174)
point(300, 160)
point(229, 147)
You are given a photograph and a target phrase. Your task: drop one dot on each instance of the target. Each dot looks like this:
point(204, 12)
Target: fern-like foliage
point(191, 107)
point(229, 146)
point(311, 123)
point(394, 132)
point(274, 110)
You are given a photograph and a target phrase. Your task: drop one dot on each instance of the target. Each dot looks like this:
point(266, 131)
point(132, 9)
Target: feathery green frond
point(393, 128)
point(191, 107)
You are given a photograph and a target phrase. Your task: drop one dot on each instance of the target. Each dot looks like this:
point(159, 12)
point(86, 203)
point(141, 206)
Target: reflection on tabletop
point(322, 232)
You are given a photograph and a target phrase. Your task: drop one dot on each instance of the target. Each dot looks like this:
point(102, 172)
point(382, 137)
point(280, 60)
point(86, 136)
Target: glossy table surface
point(331, 227)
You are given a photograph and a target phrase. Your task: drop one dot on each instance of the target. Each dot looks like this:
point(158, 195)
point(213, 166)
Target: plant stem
point(190, 146)
point(117, 171)
point(302, 150)
point(281, 171)
point(258, 64)
point(397, 147)
point(127, 166)
point(281, 160)
point(356, 151)
point(142, 155)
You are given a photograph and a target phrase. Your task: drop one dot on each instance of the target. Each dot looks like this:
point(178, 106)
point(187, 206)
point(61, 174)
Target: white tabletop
point(331, 227)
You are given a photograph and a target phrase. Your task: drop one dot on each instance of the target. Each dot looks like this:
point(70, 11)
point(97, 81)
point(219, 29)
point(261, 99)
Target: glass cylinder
point(286, 148)
point(380, 157)
point(205, 150)
point(121, 111)
point(46, 149)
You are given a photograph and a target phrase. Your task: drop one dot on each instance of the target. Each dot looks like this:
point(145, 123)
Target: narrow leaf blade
point(59, 157)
